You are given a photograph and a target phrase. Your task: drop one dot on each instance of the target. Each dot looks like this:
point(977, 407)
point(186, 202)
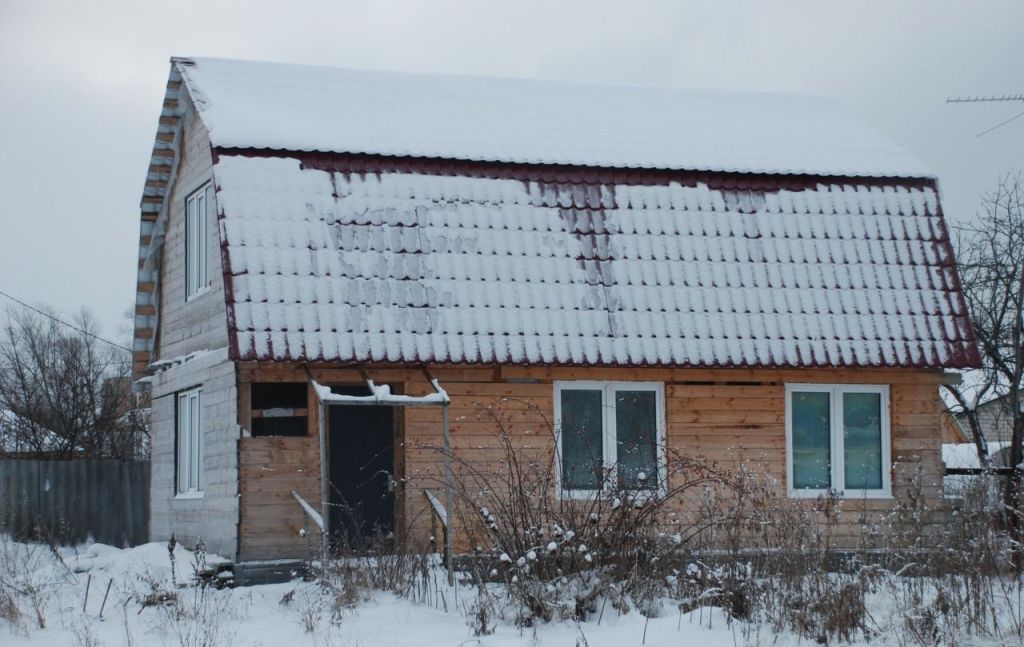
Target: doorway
point(362, 472)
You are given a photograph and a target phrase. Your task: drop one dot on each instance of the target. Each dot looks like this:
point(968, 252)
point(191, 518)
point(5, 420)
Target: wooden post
point(104, 605)
point(448, 494)
point(88, 583)
point(325, 491)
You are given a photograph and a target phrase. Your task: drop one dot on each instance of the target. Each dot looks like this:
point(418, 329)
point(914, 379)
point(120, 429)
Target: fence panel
point(71, 501)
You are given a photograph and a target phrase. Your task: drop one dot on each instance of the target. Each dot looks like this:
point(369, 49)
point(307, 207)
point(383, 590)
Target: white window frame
point(836, 444)
point(609, 448)
point(188, 438)
point(197, 241)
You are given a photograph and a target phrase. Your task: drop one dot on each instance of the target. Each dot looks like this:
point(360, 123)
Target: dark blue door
point(362, 472)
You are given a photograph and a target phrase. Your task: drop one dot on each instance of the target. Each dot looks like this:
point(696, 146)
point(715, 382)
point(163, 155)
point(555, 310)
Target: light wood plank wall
point(727, 415)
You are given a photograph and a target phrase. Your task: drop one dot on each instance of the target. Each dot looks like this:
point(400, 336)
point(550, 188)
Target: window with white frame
point(197, 241)
point(609, 431)
point(837, 438)
point(189, 432)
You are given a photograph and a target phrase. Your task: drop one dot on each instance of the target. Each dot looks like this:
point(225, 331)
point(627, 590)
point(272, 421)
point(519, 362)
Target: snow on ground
point(257, 615)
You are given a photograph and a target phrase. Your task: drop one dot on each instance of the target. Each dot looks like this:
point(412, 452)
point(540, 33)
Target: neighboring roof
point(357, 258)
point(965, 455)
point(247, 104)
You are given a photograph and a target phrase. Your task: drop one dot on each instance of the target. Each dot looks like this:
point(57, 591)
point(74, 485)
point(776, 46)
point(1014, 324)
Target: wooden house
point(747, 277)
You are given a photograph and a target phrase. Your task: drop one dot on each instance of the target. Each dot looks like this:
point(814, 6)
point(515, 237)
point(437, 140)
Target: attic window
point(197, 244)
point(279, 409)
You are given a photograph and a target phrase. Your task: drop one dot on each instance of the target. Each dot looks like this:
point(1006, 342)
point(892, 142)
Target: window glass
point(194, 441)
point(196, 227)
point(582, 433)
point(636, 428)
point(862, 440)
point(183, 443)
point(189, 442)
point(812, 465)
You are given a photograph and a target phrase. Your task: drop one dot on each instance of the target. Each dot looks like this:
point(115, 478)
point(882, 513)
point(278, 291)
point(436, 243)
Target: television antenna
point(991, 99)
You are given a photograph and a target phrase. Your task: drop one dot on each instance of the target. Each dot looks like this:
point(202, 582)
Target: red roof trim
point(719, 180)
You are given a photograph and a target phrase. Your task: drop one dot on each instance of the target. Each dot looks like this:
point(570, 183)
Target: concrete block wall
point(212, 517)
point(201, 322)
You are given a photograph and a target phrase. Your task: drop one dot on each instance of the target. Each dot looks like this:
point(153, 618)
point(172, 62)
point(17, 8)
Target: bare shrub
point(955, 579)
point(84, 633)
point(21, 583)
point(385, 561)
point(200, 618)
point(481, 612)
point(9, 610)
point(195, 614)
point(562, 558)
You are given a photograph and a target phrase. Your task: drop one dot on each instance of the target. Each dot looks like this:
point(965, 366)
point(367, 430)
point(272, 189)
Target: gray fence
point(70, 501)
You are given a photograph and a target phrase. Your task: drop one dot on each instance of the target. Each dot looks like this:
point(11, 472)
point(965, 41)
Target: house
point(995, 416)
point(748, 277)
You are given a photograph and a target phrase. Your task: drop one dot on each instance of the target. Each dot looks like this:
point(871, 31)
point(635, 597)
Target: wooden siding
point(727, 415)
point(269, 469)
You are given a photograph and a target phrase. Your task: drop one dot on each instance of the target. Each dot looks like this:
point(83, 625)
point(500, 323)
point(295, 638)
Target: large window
point(190, 442)
point(197, 241)
point(837, 438)
point(609, 431)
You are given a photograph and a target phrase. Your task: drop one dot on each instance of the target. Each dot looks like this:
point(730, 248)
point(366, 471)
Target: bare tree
point(64, 392)
point(991, 261)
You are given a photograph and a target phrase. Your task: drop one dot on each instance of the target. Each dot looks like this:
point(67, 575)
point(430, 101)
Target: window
point(279, 408)
point(609, 430)
point(190, 442)
point(197, 241)
point(837, 437)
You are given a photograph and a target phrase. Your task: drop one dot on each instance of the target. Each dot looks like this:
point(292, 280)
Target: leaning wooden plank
point(310, 512)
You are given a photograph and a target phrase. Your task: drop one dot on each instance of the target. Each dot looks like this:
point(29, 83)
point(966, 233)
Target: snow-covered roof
point(965, 455)
point(247, 104)
point(350, 258)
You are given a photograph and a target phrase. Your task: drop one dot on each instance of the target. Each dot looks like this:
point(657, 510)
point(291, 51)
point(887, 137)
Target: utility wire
point(1001, 124)
point(64, 323)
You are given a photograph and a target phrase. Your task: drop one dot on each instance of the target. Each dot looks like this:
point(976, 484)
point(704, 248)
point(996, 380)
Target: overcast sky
point(82, 84)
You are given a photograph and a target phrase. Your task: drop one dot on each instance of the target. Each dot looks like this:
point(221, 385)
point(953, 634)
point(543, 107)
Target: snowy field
point(294, 613)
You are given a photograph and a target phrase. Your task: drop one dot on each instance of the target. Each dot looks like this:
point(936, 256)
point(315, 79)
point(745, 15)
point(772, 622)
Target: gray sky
point(82, 84)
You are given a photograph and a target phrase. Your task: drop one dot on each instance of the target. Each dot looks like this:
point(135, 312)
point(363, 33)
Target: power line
point(64, 323)
point(1002, 123)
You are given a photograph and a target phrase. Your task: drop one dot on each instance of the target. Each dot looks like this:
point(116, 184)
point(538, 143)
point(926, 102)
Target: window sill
point(198, 293)
point(185, 496)
point(588, 495)
point(852, 495)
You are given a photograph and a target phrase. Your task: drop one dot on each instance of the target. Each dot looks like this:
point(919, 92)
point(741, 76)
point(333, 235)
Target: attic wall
point(213, 517)
point(201, 322)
